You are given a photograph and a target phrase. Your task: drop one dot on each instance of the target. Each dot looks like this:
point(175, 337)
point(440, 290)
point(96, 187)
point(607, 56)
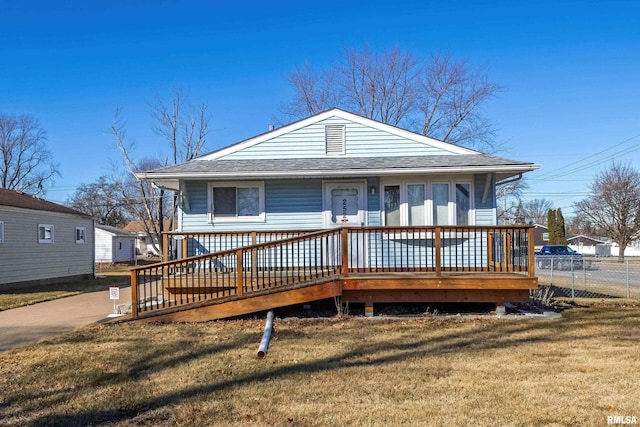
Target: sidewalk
point(46, 320)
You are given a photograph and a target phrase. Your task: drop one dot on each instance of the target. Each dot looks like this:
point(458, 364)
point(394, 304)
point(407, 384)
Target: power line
point(578, 166)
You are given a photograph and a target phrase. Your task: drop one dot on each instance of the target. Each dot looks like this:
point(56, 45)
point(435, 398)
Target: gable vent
point(334, 135)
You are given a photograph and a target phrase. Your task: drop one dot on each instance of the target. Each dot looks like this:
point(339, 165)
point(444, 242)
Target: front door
point(344, 205)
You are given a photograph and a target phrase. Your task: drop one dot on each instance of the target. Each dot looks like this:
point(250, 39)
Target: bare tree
point(440, 97)
point(185, 128)
point(504, 192)
point(26, 164)
point(536, 210)
point(614, 204)
point(102, 200)
point(145, 202)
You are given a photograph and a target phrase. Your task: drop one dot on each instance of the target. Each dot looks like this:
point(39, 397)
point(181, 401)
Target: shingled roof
point(18, 199)
point(337, 165)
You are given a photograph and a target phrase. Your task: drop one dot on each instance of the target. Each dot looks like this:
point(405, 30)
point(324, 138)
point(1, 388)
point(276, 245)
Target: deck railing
point(177, 244)
point(314, 257)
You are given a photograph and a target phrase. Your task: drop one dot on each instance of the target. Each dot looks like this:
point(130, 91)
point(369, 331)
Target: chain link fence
point(589, 277)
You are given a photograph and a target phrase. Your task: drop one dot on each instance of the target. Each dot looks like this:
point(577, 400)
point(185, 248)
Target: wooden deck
point(322, 265)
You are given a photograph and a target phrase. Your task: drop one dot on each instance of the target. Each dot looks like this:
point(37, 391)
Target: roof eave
point(513, 169)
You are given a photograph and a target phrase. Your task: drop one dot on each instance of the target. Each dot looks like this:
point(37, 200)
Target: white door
point(344, 205)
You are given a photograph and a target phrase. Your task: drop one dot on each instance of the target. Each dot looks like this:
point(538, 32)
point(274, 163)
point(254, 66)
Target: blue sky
point(570, 71)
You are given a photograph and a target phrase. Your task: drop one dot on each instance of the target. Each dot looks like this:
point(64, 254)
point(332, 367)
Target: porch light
point(372, 189)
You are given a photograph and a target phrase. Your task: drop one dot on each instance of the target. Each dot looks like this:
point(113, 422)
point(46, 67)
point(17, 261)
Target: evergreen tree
point(561, 238)
point(551, 225)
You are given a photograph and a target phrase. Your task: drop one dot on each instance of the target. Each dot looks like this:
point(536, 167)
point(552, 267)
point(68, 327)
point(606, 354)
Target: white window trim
point(238, 184)
point(428, 206)
point(84, 235)
point(1, 231)
point(46, 241)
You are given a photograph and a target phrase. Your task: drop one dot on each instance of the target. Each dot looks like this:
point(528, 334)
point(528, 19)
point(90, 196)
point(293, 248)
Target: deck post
point(165, 247)
point(239, 273)
point(438, 248)
point(531, 252)
point(344, 246)
point(185, 247)
point(134, 293)
point(368, 308)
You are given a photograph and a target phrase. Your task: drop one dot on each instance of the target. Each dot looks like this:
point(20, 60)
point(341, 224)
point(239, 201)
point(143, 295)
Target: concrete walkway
point(46, 320)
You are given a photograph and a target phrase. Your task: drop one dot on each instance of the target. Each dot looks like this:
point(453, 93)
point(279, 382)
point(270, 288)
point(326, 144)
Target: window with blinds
point(334, 136)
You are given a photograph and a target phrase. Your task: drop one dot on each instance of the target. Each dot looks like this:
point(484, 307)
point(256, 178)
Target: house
point(114, 245)
point(395, 191)
point(146, 244)
point(540, 235)
point(42, 242)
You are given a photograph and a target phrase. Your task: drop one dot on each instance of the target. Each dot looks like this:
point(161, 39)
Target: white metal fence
point(590, 277)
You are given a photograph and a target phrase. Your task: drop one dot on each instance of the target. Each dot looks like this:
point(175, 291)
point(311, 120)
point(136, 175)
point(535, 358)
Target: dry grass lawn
point(333, 372)
point(32, 295)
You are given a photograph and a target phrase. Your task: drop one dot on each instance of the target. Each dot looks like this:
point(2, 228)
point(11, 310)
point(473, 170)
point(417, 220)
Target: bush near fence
point(593, 278)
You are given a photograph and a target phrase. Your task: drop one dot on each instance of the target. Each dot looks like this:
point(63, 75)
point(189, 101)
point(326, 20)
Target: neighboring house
point(114, 245)
point(540, 235)
point(589, 245)
point(146, 244)
point(335, 169)
point(42, 242)
point(386, 199)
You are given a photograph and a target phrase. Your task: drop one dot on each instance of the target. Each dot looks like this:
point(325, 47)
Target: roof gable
point(363, 137)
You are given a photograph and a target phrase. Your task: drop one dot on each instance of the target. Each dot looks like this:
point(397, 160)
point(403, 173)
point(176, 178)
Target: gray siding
point(23, 259)
point(360, 141)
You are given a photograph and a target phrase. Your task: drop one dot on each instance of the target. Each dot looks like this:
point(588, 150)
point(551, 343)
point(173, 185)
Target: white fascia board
point(513, 169)
point(335, 112)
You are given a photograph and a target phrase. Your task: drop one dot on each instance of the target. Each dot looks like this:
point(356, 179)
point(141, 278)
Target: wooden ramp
point(237, 306)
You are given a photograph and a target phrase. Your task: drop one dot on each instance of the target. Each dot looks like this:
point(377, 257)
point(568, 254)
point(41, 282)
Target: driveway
point(46, 320)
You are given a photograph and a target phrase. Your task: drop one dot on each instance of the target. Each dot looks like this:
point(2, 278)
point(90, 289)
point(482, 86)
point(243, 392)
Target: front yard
point(576, 370)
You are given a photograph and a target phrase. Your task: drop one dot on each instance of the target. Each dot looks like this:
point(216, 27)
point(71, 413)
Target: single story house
point(395, 191)
point(146, 244)
point(114, 245)
point(42, 242)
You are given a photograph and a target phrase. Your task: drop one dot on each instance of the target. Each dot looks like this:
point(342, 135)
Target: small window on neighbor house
point(334, 137)
point(1, 231)
point(81, 234)
point(545, 237)
point(45, 233)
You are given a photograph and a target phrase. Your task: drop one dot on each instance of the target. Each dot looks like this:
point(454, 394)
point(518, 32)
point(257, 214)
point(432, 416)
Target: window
point(416, 203)
point(236, 201)
point(392, 205)
point(1, 231)
point(81, 234)
point(438, 203)
point(45, 233)
point(545, 237)
point(334, 138)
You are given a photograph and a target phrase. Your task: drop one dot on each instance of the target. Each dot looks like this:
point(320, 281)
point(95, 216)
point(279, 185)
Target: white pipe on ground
point(268, 328)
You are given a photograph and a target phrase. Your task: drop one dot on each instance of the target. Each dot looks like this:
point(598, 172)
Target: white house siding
point(23, 259)
point(360, 141)
point(104, 246)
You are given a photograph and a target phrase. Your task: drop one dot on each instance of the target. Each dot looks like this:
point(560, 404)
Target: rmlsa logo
point(620, 419)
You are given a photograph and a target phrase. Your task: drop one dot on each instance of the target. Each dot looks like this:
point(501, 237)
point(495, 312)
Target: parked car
point(561, 257)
